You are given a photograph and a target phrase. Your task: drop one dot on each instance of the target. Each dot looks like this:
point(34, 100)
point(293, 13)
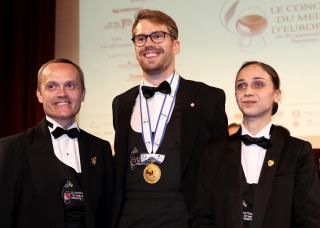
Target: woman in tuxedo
point(260, 177)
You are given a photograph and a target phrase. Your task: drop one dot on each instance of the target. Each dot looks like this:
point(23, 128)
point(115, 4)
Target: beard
point(153, 66)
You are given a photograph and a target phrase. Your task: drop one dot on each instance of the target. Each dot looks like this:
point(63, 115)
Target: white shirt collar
point(146, 83)
point(264, 132)
point(55, 124)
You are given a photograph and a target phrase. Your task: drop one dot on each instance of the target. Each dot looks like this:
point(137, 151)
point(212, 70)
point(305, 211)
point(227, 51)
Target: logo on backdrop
point(290, 21)
point(245, 20)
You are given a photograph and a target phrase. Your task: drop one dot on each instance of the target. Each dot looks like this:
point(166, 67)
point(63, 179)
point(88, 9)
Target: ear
point(83, 95)
point(277, 96)
point(39, 96)
point(176, 46)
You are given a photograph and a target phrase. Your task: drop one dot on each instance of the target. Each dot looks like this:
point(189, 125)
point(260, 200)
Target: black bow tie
point(72, 133)
point(149, 91)
point(261, 141)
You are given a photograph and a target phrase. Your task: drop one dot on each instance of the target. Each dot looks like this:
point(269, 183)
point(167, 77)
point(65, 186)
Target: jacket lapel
point(88, 159)
point(268, 172)
point(45, 174)
point(122, 111)
point(190, 120)
point(124, 117)
point(233, 160)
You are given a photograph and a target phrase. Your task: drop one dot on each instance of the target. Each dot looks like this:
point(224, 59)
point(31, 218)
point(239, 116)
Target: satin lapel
point(190, 120)
point(88, 159)
point(234, 180)
point(124, 117)
point(45, 174)
point(268, 172)
point(123, 112)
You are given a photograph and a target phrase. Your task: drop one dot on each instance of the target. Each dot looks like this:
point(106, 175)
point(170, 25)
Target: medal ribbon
point(153, 142)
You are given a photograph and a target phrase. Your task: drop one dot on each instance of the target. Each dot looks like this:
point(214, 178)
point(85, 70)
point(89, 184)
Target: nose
point(148, 41)
point(61, 91)
point(248, 91)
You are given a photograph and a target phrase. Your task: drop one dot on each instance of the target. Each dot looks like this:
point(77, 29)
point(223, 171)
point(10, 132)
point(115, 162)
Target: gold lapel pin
point(94, 160)
point(192, 105)
point(270, 163)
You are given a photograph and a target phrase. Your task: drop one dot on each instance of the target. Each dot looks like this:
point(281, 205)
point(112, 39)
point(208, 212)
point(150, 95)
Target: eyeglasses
point(156, 37)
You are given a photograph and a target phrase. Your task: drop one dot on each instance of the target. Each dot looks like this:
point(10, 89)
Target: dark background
point(28, 32)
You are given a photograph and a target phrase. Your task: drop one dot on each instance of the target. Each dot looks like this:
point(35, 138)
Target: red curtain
point(27, 41)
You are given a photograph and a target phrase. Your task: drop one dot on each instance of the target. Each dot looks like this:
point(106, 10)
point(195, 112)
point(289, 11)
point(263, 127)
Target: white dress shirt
point(154, 104)
point(252, 156)
point(65, 148)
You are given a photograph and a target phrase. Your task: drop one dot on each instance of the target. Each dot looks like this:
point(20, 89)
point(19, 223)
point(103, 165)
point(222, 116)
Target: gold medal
point(152, 173)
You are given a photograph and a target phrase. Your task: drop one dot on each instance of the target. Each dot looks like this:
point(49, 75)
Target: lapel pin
point(270, 163)
point(192, 105)
point(94, 160)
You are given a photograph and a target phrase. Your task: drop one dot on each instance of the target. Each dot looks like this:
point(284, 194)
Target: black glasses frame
point(133, 39)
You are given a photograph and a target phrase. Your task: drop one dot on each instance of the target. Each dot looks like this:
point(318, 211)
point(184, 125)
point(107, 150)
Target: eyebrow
point(259, 77)
point(147, 34)
point(255, 78)
point(65, 82)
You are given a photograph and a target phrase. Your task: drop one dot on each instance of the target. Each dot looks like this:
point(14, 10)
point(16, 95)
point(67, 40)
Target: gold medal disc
point(151, 173)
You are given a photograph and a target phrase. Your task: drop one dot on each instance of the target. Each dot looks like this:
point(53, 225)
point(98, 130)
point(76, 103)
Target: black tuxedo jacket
point(287, 195)
point(30, 187)
point(203, 119)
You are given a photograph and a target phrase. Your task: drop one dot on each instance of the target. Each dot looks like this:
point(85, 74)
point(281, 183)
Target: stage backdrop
point(216, 38)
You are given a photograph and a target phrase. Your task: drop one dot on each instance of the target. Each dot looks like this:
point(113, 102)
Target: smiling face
point(156, 60)
point(255, 93)
point(60, 92)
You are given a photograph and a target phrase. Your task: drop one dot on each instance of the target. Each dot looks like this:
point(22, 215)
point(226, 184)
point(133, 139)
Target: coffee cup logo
point(245, 20)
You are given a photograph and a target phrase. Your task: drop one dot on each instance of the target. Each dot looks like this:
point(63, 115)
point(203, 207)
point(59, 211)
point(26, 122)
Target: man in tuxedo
point(161, 128)
point(56, 174)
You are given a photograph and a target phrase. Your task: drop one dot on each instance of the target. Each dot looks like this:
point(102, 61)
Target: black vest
point(247, 201)
point(72, 196)
point(160, 204)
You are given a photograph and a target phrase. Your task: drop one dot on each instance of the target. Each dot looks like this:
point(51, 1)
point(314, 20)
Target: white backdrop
point(216, 38)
